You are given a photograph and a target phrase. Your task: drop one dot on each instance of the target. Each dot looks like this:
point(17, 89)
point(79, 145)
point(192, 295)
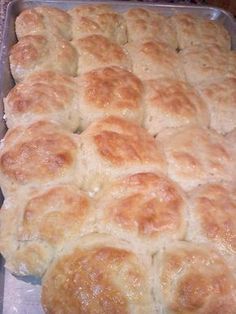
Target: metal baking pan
point(23, 297)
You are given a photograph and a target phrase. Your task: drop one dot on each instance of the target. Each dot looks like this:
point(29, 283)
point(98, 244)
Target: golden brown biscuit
point(147, 24)
point(96, 51)
point(147, 209)
point(36, 53)
point(212, 216)
point(197, 156)
point(36, 154)
point(153, 60)
point(194, 279)
point(194, 30)
point(207, 63)
point(43, 20)
point(220, 96)
point(43, 95)
point(109, 91)
point(35, 226)
point(99, 275)
point(113, 147)
point(171, 103)
point(98, 19)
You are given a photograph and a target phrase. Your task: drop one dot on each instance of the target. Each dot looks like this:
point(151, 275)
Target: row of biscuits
point(114, 220)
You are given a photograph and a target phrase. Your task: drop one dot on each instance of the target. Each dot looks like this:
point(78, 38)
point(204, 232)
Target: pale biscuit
point(100, 274)
point(152, 60)
point(193, 278)
point(194, 30)
point(109, 91)
point(43, 95)
point(220, 97)
point(170, 103)
point(148, 24)
point(37, 224)
point(96, 51)
point(197, 156)
point(36, 53)
point(43, 20)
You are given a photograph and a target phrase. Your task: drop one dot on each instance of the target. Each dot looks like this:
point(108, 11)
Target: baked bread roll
point(109, 91)
point(101, 20)
point(43, 20)
point(170, 103)
point(37, 53)
point(100, 274)
point(194, 30)
point(113, 147)
point(96, 51)
point(37, 224)
point(197, 156)
point(148, 24)
point(43, 95)
point(36, 154)
point(193, 278)
point(207, 63)
point(212, 217)
point(146, 209)
point(220, 97)
point(153, 60)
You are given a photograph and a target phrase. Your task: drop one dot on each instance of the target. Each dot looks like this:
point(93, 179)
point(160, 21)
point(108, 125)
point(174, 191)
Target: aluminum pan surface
point(23, 297)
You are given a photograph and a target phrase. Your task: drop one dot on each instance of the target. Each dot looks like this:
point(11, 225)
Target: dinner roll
point(147, 209)
point(36, 53)
point(34, 227)
point(193, 278)
point(109, 91)
point(113, 147)
point(197, 156)
point(100, 19)
point(212, 216)
point(100, 274)
point(207, 63)
point(152, 60)
point(148, 24)
point(171, 103)
point(194, 30)
point(96, 51)
point(220, 96)
point(43, 20)
point(36, 154)
point(43, 95)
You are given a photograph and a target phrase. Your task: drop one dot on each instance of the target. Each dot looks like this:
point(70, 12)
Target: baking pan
point(23, 296)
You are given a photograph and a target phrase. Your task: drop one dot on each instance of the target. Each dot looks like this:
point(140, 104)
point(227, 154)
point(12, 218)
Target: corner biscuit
point(109, 91)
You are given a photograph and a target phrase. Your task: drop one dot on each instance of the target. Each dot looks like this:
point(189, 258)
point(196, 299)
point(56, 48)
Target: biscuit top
point(42, 20)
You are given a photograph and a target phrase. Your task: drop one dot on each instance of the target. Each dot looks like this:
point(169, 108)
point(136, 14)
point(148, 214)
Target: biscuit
point(99, 275)
point(113, 147)
point(36, 225)
point(36, 154)
point(43, 20)
point(212, 217)
point(193, 278)
point(100, 20)
point(35, 53)
point(145, 24)
point(170, 103)
point(192, 31)
point(96, 51)
point(197, 156)
point(43, 95)
point(109, 91)
point(200, 66)
point(153, 60)
point(146, 209)
point(220, 97)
